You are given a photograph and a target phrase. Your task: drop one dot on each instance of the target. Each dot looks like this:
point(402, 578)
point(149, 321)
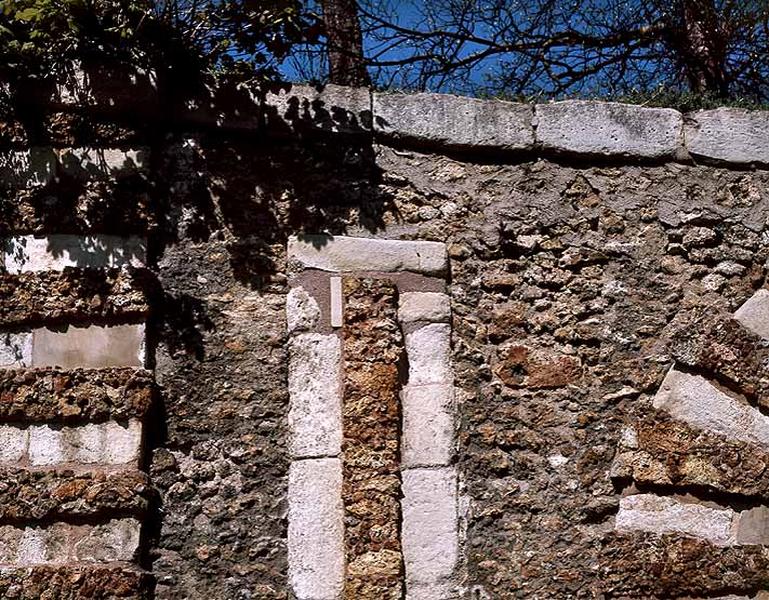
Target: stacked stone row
point(74, 393)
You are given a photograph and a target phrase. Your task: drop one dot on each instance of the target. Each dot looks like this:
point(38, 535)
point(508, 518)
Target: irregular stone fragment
point(316, 555)
point(77, 395)
point(315, 388)
point(448, 121)
point(729, 134)
point(521, 366)
point(371, 488)
point(609, 129)
point(30, 253)
point(345, 254)
point(424, 306)
point(302, 311)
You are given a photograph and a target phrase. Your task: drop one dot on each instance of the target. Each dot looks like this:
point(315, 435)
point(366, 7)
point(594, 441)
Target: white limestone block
point(424, 306)
point(696, 401)
point(430, 531)
point(729, 134)
point(428, 425)
point(302, 310)
point(315, 392)
point(754, 314)
point(27, 168)
point(28, 253)
point(92, 444)
point(609, 129)
point(16, 350)
point(89, 347)
point(316, 553)
point(341, 254)
point(429, 355)
point(117, 540)
point(662, 514)
point(13, 444)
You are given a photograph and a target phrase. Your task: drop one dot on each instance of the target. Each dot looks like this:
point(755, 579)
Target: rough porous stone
point(77, 395)
point(302, 311)
point(754, 314)
point(45, 495)
point(729, 134)
point(345, 254)
point(89, 347)
point(424, 306)
point(50, 298)
point(315, 388)
point(429, 350)
point(609, 129)
point(76, 582)
point(56, 252)
point(304, 109)
point(449, 121)
point(316, 551)
point(428, 425)
point(371, 488)
point(696, 401)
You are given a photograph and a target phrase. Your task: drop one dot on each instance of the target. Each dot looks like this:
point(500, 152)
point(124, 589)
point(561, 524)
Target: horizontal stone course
point(454, 121)
point(62, 543)
point(731, 135)
point(45, 495)
point(74, 396)
point(76, 582)
point(49, 298)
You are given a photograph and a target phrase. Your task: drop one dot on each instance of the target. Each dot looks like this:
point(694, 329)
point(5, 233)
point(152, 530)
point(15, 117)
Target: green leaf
point(28, 14)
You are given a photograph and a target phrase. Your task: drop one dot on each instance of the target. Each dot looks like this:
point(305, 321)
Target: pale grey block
point(430, 532)
point(315, 393)
point(334, 109)
point(752, 527)
point(316, 554)
point(29, 253)
point(754, 314)
point(302, 310)
point(729, 134)
point(665, 515)
point(609, 129)
point(441, 590)
point(428, 425)
point(428, 350)
point(694, 400)
point(341, 254)
point(16, 350)
point(28, 168)
point(424, 306)
point(337, 315)
point(89, 347)
point(117, 540)
point(13, 444)
point(91, 444)
point(454, 121)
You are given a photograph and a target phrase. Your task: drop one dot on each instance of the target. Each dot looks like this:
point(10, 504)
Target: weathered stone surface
point(109, 444)
point(754, 314)
point(371, 489)
point(302, 311)
point(696, 401)
point(89, 347)
point(43, 495)
point(665, 515)
point(725, 349)
point(78, 395)
point(428, 425)
point(424, 306)
point(315, 388)
point(429, 355)
point(609, 129)
point(71, 296)
point(667, 452)
point(728, 134)
point(430, 529)
point(345, 254)
point(76, 582)
point(522, 366)
point(316, 554)
point(62, 543)
point(453, 121)
point(13, 443)
point(15, 350)
point(303, 109)
point(56, 252)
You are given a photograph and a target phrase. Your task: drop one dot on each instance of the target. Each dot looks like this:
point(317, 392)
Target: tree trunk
point(345, 45)
point(702, 47)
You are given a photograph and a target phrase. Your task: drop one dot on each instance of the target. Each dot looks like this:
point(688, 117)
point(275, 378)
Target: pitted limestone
point(92, 444)
point(428, 425)
point(302, 311)
point(315, 390)
point(609, 129)
point(316, 529)
point(729, 134)
point(454, 121)
point(30, 253)
point(347, 254)
point(429, 355)
point(424, 306)
point(13, 444)
point(754, 314)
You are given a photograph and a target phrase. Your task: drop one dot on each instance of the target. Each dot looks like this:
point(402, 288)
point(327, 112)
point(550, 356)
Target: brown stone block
point(521, 366)
point(76, 583)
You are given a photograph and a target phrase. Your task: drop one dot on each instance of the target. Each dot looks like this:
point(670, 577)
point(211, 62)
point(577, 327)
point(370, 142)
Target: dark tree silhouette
point(344, 44)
